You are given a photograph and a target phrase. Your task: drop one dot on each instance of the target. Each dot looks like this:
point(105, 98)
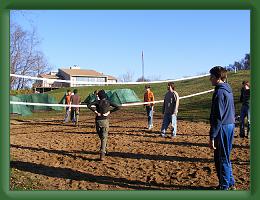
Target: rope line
point(106, 83)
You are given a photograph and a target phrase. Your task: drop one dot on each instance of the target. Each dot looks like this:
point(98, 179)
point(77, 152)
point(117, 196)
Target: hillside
point(194, 108)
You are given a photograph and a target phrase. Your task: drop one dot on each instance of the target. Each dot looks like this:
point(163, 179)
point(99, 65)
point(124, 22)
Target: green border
point(7, 5)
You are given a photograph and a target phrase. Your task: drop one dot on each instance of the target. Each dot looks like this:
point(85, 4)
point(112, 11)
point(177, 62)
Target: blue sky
point(176, 43)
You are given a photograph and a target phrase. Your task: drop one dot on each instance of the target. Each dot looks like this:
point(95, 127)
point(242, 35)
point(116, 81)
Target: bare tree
point(127, 77)
point(142, 79)
point(25, 57)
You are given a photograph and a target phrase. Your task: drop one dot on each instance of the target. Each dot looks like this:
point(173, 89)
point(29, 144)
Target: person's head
point(218, 74)
point(171, 86)
point(68, 92)
point(75, 91)
point(147, 87)
point(101, 94)
point(246, 84)
point(96, 92)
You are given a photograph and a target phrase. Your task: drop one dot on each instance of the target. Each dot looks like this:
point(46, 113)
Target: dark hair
point(68, 90)
point(75, 91)
point(147, 86)
point(246, 82)
point(101, 94)
point(219, 72)
point(171, 84)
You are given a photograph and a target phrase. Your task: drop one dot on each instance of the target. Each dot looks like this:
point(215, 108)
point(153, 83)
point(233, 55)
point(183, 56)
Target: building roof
point(82, 72)
point(48, 76)
point(111, 77)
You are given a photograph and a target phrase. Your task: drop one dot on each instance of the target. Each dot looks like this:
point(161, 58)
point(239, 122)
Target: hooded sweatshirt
point(222, 109)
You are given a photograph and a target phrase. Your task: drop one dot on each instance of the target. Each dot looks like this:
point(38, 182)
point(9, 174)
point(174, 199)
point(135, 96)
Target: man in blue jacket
point(222, 119)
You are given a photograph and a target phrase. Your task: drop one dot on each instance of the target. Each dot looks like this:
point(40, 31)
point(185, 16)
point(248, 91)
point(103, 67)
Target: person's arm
point(218, 110)
point(70, 104)
point(177, 103)
point(92, 106)
point(116, 107)
point(152, 99)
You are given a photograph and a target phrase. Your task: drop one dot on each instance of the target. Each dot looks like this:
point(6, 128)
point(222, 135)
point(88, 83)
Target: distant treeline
point(243, 64)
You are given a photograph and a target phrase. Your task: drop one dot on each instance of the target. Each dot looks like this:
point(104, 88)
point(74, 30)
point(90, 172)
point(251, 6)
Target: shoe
point(163, 135)
point(102, 156)
point(232, 188)
point(173, 136)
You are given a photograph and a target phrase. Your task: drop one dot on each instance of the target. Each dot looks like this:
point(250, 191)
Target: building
point(72, 74)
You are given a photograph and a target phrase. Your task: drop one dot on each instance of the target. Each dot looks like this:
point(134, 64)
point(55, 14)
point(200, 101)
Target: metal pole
point(142, 65)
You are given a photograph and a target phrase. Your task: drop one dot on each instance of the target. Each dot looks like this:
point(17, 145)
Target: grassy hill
point(194, 108)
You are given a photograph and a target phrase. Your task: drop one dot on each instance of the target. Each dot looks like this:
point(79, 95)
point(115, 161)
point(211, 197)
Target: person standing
point(149, 97)
point(222, 119)
point(68, 108)
point(75, 100)
point(245, 110)
point(102, 110)
point(170, 110)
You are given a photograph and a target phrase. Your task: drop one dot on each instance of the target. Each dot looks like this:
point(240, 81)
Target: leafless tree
point(25, 57)
point(127, 77)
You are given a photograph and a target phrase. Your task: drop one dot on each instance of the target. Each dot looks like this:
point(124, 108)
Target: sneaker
point(102, 156)
point(163, 135)
point(173, 136)
point(232, 187)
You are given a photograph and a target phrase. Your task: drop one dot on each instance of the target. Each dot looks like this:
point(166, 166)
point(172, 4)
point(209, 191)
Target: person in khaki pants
point(102, 110)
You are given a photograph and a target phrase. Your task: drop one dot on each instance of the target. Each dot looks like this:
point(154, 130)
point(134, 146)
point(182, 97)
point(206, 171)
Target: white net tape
point(105, 83)
point(124, 105)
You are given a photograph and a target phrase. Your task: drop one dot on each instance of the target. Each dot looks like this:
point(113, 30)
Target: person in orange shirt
point(68, 108)
point(149, 97)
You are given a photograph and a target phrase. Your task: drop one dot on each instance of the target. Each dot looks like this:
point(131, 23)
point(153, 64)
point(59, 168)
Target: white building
point(73, 74)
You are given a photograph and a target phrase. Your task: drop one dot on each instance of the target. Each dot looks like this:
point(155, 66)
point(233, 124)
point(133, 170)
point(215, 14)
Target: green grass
point(20, 180)
point(193, 109)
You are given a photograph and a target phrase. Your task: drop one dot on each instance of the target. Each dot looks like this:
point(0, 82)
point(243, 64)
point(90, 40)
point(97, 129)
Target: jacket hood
point(224, 86)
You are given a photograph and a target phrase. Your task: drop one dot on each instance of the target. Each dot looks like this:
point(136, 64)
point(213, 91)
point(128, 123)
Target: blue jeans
point(222, 153)
point(74, 115)
point(67, 114)
point(149, 112)
point(245, 112)
point(167, 119)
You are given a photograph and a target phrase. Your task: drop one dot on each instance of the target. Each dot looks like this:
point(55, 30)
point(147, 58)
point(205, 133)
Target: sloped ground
point(57, 156)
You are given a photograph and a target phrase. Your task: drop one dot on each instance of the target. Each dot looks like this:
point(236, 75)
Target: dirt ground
point(62, 157)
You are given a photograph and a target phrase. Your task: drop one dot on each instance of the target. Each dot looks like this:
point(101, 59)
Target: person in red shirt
point(75, 100)
point(149, 97)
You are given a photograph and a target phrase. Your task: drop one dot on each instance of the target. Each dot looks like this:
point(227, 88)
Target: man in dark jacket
point(245, 111)
point(222, 119)
point(170, 110)
point(102, 109)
